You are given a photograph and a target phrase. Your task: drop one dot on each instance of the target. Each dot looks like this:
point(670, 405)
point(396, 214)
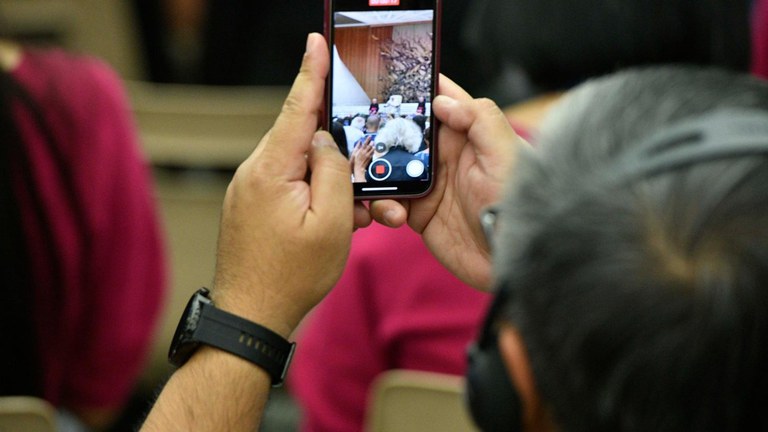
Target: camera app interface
point(381, 93)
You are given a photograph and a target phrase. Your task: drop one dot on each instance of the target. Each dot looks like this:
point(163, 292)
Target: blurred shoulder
point(67, 75)
point(83, 102)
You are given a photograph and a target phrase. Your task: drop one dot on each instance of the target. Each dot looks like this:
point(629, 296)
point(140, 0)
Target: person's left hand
point(477, 149)
point(287, 218)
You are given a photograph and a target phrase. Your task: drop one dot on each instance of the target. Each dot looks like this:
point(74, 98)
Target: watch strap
point(245, 339)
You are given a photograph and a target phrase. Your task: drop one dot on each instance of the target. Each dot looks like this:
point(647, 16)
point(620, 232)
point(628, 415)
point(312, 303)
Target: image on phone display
point(380, 89)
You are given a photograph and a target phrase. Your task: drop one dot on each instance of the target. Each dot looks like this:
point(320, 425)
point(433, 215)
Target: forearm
point(213, 391)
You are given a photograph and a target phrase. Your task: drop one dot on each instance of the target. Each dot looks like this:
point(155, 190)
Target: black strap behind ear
point(490, 395)
point(492, 399)
point(722, 134)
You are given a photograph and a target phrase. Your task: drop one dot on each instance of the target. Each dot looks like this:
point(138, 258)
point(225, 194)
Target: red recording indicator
point(383, 2)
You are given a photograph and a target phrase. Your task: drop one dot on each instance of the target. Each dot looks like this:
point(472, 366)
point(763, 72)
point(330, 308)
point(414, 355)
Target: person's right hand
point(476, 153)
point(286, 228)
point(287, 218)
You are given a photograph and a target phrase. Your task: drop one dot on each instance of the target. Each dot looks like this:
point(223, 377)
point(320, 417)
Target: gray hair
point(633, 318)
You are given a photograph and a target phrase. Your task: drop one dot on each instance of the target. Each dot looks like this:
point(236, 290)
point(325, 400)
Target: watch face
point(183, 344)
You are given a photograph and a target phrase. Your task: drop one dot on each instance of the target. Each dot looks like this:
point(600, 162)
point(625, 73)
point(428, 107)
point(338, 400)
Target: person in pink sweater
point(82, 248)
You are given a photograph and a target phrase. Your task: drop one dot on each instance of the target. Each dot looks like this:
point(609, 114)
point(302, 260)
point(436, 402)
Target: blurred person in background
point(533, 50)
point(244, 42)
point(81, 248)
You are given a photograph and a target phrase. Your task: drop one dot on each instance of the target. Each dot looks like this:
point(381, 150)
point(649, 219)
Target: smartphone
point(383, 79)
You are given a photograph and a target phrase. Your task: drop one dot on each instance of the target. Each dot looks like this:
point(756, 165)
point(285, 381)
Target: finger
point(390, 212)
point(330, 188)
point(298, 120)
point(448, 87)
point(482, 120)
point(362, 215)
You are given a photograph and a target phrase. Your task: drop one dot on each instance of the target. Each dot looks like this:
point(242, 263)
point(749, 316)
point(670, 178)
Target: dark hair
point(20, 372)
point(420, 120)
point(19, 365)
point(558, 44)
point(642, 306)
point(340, 137)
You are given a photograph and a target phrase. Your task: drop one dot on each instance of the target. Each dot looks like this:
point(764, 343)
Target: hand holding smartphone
point(383, 78)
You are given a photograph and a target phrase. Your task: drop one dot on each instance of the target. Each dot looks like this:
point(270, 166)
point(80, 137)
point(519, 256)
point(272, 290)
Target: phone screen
point(383, 78)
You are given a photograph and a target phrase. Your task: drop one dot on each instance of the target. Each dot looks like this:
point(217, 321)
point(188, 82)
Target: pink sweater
point(96, 322)
point(760, 38)
point(394, 307)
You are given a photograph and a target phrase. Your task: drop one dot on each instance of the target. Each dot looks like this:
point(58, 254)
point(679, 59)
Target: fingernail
point(309, 44)
point(445, 100)
point(321, 140)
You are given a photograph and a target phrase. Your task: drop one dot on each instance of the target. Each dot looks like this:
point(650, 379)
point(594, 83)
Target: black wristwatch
point(203, 323)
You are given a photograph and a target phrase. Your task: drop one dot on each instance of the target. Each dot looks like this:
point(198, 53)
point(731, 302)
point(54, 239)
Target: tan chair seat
point(415, 401)
point(28, 414)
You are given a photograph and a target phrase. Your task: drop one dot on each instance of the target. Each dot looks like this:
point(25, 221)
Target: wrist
point(270, 319)
point(271, 313)
point(207, 356)
point(205, 323)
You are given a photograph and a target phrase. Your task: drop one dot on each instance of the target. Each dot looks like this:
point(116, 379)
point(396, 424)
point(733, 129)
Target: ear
point(515, 357)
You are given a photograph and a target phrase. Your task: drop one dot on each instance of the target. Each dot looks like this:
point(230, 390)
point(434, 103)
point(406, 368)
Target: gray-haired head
point(643, 304)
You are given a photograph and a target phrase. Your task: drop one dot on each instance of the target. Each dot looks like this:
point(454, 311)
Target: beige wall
point(104, 28)
point(190, 204)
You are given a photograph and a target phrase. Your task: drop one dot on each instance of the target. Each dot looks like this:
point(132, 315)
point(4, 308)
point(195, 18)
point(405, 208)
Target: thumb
point(298, 119)
point(482, 120)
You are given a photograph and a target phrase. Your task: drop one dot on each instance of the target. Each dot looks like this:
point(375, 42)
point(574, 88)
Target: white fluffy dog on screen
point(399, 132)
